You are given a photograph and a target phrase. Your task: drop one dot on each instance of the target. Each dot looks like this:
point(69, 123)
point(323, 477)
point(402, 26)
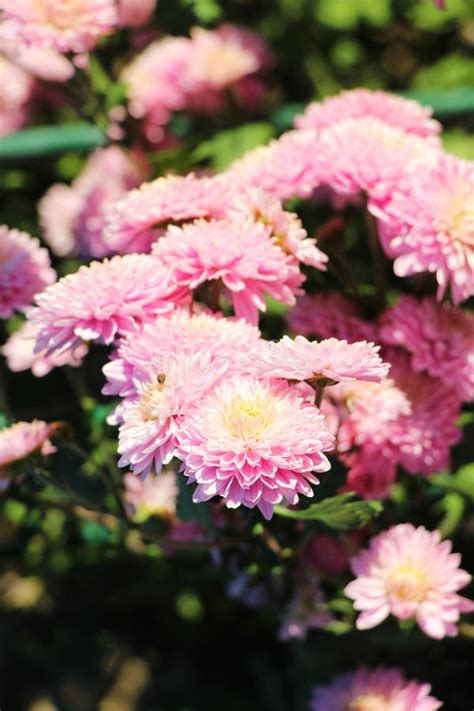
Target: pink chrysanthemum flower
point(152, 420)
point(406, 114)
point(286, 167)
point(20, 354)
point(102, 301)
point(136, 221)
point(371, 472)
point(23, 439)
point(135, 13)
point(439, 337)
point(409, 573)
point(15, 97)
point(324, 362)
point(223, 340)
point(64, 25)
point(437, 236)
point(330, 316)
point(154, 495)
point(239, 254)
point(254, 443)
point(25, 270)
point(285, 227)
point(368, 159)
point(73, 217)
point(378, 689)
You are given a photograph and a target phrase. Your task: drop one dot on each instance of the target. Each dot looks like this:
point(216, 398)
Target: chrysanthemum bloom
point(410, 573)
point(23, 439)
point(140, 355)
point(238, 253)
point(153, 495)
point(285, 227)
point(368, 159)
point(254, 443)
point(73, 217)
point(439, 337)
point(406, 114)
point(324, 362)
point(143, 215)
point(378, 689)
point(19, 352)
point(372, 471)
point(286, 167)
point(15, 97)
point(102, 301)
point(307, 610)
point(135, 13)
point(151, 421)
point(25, 270)
point(438, 233)
point(64, 25)
point(330, 316)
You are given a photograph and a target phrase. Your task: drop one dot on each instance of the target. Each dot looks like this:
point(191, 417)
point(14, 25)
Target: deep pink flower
point(330, 316)
point(15, 97)
point(254, 443)
point(135, 222)
point(134, 13)
point(437, 227)
point(72, 26)
point(238, 253)
point(25, 270)
point(378, 689)
point(73, 217)
point(439, 337)
point(22, 439)
point(285, 227)
point(329, 360)
point(155, 495)
point(140, 355)
point(104, 300)
point(406, 114)
point(410, 573)
point(371, 473)
point(20, 354)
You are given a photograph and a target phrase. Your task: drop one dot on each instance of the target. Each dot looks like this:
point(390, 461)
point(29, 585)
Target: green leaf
point(445, 102)
point(186, 509)
point(462, 482)
point(45, 140)
point(228, 145)
point(336, 512)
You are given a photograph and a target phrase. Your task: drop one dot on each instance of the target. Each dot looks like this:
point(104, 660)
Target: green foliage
point(337, 512)
point(226, 146)
point(461, 482)
point(186, 509)
point(44, 140)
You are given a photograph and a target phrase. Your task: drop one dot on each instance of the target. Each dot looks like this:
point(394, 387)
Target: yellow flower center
point(152, 399)
point(248, 419)
point(61, 14)
point(460, 218)
point(368, 702)
point(408, 583)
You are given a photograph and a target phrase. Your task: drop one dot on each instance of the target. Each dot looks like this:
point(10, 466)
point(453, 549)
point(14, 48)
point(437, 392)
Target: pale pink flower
point(139, 354)
point(325, 362)
point(155, 495)
point(285, 227)
point(136, 221)
point(135, 13)
point(63, 25)
point(378, 689)
point(25, 270)
point(41, 62)
point(437, 233)
point(406, 114)
point(253, 443)
point(410, 573)
point(15, 97)
point(73, 217)
point(286, 167)
point(20, 354)
point(102, 301)
point(151, 421)
point(439, 337)
point(330, 316)
point(22, 439)
point(238, 253)
point(366, 159)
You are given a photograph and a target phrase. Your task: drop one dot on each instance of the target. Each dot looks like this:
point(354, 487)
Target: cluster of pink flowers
point(21, 440)
point(195, 74)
